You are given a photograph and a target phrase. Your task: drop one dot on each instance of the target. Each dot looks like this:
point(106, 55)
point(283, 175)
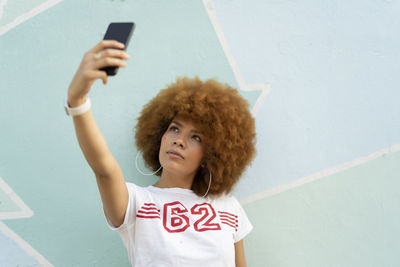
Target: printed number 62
point(175, 220)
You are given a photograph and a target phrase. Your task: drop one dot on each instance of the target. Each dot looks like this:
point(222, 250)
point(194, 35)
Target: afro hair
point(224, 119)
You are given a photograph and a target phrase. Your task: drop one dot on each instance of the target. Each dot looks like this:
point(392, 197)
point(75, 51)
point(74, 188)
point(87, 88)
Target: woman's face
point(182, 148)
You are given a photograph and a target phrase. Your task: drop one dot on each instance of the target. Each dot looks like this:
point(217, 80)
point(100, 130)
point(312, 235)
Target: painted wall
point(321, 77)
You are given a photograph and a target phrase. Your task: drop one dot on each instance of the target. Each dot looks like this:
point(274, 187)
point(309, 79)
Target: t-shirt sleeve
point(130, 217)
point(244, 225)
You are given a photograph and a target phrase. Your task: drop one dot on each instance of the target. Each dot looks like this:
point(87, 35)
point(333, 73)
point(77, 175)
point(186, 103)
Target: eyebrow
point(180, 124)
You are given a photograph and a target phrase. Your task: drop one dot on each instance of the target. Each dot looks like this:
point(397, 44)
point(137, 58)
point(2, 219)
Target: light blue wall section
point(13, 255)
point(333, 69)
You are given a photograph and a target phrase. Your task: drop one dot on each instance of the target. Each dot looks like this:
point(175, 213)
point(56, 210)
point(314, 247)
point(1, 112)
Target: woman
point(198, 137)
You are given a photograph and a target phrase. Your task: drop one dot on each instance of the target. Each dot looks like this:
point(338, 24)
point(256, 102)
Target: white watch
point(75, 111)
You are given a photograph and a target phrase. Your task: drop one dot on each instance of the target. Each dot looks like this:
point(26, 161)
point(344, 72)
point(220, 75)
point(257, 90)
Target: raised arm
point(110, 179)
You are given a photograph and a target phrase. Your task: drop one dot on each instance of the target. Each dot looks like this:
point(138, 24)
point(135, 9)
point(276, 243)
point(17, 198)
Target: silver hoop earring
point(209, 184)
point(137, 167)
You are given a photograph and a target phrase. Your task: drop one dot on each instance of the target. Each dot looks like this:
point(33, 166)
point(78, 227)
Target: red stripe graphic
point(223, 217)
point(148, 217)
point(229, 219)
point(150, 208)
point(227, 223)
point(227, 213)
point(148, 212)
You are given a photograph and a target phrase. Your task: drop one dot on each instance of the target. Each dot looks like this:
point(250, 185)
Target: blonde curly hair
point(224, 119)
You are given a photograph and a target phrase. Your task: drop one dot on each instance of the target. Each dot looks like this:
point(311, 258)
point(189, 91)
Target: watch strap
point(75, 111)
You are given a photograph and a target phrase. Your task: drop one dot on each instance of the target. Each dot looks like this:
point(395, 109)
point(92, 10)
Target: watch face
point(66, 110)
point(66, 107)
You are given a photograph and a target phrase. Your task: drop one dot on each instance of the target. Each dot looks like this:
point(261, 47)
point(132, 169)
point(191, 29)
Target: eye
point(197, 138)
point(173, 128)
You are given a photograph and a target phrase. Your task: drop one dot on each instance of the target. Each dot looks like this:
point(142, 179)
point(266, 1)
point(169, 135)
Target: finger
point(116, 53)
point(97, 74)
point(104, 77)
point(109, 62)
point(106, 44)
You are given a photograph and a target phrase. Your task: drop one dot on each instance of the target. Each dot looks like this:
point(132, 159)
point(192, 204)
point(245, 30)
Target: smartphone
point(121, 32)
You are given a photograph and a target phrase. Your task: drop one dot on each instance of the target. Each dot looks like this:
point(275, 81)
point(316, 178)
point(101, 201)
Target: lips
point(174, 154)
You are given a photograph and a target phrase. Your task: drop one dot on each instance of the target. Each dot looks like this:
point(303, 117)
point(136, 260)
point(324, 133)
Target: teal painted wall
point(349, 218)
point(323, 188)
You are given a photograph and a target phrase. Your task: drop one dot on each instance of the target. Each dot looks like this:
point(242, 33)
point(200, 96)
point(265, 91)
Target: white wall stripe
point(264, 88)
point(319, 175)
point(24, 17)
point(2, 4)
point(30, 250)
point(24, 212)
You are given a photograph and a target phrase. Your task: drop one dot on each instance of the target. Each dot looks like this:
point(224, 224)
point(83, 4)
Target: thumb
point(104, 78)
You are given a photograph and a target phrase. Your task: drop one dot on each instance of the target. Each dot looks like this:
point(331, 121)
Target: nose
point(179, 142)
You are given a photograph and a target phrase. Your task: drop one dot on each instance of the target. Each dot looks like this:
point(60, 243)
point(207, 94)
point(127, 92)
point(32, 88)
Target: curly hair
point(224, 119)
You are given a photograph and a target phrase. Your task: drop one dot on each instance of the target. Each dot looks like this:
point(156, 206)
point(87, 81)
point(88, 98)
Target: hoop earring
point(137, 167)
point(209, 184)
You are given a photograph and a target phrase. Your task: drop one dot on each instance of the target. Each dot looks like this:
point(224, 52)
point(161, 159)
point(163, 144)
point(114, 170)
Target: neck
point(169, 180)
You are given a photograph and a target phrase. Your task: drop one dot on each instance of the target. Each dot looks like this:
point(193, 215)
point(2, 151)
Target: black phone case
point(121, 32)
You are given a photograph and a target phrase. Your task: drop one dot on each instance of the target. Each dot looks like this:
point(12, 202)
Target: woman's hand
point(104, 54)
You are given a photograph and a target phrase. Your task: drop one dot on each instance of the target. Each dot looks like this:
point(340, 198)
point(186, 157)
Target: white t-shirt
point(175, 227)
